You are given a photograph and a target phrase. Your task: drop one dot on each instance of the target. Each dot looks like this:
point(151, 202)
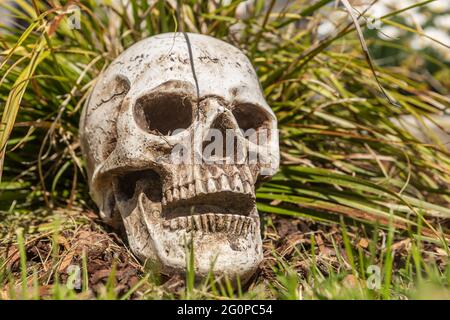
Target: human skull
point(149, 114)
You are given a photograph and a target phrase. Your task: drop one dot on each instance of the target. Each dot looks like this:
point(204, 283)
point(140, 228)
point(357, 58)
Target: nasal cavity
point(220, 141)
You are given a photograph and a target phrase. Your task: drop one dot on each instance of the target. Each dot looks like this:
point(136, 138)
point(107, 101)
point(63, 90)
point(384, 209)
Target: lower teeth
point(229, 223)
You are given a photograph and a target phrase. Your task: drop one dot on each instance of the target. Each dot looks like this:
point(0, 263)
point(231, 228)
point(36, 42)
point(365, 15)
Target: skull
point(145, 131)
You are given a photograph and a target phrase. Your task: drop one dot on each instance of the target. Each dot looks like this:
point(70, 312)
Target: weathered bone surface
point(173, 90)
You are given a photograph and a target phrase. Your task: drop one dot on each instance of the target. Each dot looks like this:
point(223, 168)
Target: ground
point(302, 259)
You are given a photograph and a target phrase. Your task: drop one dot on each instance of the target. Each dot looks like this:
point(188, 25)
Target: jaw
point(232, 249)
point(226, 240)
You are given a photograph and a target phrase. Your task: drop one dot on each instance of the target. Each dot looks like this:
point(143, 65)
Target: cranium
point(164, 92)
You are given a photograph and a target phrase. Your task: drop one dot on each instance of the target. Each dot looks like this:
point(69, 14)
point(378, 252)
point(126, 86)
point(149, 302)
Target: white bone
point(199, 83)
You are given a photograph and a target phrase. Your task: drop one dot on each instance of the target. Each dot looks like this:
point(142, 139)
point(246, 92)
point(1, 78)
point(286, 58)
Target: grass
point(323, 263)
point(355, 193)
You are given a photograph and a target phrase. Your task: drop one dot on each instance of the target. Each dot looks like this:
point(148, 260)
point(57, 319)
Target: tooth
point(163, 201)
point(253, 226)
point(239, 224)
point(197, 222)
point(191, 190)
point(197, 173)
point(217, 172)
point(173, 224)
point(189, 224)
point(228, 220)
point(212, 222)
point(183, 178)
point(247, 188)
point(245, 225)
point(183, 192)
point(250, 226)
point(237, 184)
point(166, 224)
point(220, 223)
point(182, 222)
point(199, 188)
point(224, 184)
point(234, 220)
point(248, 174)
point(234, 171)
point(205, 222)
point(176, 194)
point(190, 174)
point(207, 175)
point(211, 186)
point(169, 196)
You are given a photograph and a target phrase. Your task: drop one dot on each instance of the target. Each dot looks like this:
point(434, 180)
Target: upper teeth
point(212, 185)
point(230, 223)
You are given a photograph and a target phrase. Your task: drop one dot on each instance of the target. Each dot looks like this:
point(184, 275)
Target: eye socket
point(163, 112)
point(249, 116)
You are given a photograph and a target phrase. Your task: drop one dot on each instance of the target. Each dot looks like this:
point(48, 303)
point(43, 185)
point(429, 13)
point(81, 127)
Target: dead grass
point(302, 259)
